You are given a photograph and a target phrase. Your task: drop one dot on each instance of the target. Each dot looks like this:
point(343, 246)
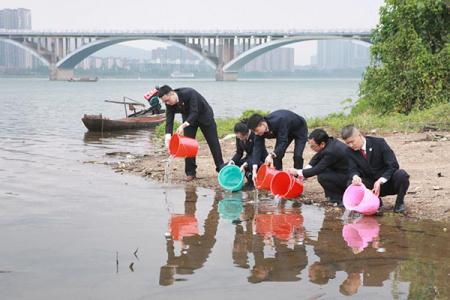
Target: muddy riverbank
point(425, 156)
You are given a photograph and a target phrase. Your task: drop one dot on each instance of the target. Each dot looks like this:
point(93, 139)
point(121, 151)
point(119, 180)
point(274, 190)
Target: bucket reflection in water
point(230, 207)
point(183, 226)
point(360, 233)
point(285, 225)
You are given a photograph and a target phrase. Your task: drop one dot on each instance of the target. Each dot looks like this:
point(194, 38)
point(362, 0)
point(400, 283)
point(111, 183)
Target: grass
point(224, 125)
point(437, 117)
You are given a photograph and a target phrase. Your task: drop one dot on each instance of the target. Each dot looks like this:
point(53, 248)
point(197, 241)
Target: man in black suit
point(195, 112)
point(284, 125)
point(373, 163)
point(245, 141)
point(330, 164)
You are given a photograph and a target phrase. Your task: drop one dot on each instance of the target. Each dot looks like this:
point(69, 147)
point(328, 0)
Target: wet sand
point(425, 156)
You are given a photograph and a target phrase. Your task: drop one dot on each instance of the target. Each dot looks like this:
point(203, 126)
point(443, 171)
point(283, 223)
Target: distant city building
point(277, 60)
point(340, 54)
point(160, 60)
point(12, 57)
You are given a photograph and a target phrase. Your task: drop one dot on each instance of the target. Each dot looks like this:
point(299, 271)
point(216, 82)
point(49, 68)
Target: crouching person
point(329, 164)
point(244, 158)
point(373, 163)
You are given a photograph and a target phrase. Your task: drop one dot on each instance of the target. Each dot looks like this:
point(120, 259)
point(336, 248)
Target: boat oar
point(119, 102)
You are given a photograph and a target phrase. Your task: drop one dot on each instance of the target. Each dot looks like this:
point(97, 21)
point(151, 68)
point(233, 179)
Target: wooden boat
point(100, 123)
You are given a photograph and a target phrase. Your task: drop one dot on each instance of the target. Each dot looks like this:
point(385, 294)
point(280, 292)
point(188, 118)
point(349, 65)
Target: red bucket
point(286, 186)
point(264, 177)
point(181, 146)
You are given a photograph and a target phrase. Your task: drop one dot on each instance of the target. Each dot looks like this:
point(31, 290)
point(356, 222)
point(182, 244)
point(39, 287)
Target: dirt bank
point(425, 156)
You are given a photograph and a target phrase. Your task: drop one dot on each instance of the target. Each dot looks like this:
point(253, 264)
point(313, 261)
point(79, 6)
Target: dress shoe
point(190, 178)
point(399, 208)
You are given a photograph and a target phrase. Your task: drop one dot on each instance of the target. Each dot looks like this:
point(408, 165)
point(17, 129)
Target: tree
point(410, 57)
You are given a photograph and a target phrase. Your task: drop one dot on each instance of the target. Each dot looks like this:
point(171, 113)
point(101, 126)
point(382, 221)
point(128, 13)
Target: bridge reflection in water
point(272, 242)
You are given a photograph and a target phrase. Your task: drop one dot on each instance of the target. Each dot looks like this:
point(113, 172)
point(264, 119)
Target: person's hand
point(377, 187)
point(242, 168)
point(356, 180)
point(167, 138)
point(292, 171)
point(231, 162)
point(180, 130)
point(269, 160)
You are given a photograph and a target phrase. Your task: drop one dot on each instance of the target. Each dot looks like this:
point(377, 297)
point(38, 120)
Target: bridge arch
point(75, 57)
point(239, 61)
point(27, 49)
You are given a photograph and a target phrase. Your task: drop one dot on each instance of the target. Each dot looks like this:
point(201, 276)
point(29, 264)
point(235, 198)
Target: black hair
point(164, 90)
point(319, 136)
point(254, 121)
point(241, 127)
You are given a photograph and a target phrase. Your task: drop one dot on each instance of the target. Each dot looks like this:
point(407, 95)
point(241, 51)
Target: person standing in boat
point(196, 113)
point(153, 101)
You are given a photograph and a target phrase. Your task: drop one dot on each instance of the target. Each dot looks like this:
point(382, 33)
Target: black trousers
point(210, 134)
point(398, 185)
point(334, 184)
point(299, 147)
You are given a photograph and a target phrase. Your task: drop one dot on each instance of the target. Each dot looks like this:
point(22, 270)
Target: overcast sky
point(202, 14)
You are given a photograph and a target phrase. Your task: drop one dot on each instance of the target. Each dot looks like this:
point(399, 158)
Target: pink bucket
point(361, 199)
point(361, 233)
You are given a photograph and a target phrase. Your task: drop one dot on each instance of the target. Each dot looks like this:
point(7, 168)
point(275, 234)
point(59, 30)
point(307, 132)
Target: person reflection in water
point(365, 265)
point(350, 285)
point(195, 247)
point(283, 232)
point(243, 238)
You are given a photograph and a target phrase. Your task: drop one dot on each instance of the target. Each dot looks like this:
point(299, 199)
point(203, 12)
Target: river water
point(72, 228)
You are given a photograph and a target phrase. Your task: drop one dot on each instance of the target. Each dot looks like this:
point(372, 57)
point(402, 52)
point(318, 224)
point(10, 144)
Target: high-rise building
point(12, 57)
point(341, 54)
point(277, 60)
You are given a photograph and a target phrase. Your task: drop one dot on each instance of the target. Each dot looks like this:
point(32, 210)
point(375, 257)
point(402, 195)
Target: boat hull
point(100, 123)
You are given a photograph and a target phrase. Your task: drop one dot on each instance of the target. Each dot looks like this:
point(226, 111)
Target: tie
point(363, 153)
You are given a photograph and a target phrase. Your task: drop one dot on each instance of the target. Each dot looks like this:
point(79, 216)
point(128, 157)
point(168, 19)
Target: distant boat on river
point(83, 79)
point(178, 74)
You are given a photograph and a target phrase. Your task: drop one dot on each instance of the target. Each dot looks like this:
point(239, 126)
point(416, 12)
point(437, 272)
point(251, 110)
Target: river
point(72, 228)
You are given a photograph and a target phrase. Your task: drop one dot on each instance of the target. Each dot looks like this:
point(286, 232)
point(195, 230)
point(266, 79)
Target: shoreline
point(424, 156)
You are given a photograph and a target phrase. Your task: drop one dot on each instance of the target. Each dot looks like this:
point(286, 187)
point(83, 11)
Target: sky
point(202, 14)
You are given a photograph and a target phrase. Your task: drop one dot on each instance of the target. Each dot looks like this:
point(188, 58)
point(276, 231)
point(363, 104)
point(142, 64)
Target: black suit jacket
point(247, 148)
point(193, 108)
point(380, 162)
point(332, 158)
point(284, 125)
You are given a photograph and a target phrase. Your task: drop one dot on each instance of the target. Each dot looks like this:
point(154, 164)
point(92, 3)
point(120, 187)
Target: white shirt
point(364, 146)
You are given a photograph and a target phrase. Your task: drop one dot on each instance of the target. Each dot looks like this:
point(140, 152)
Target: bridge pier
point(60, 74)
point(226, 76)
